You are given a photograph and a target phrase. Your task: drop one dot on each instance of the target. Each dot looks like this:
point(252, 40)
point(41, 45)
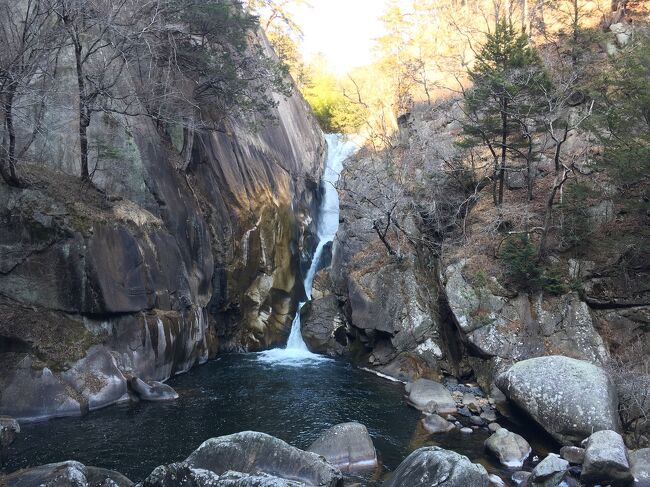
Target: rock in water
point(66, 474)
point(9, 428)
point(569, 398)
point(573, 454)
point(250, 452)
point(606, 460)
point(437, 424)
point(435, 466)
point(510, 448)
point(640, 465)
point(152, 390)
point(520, 477)
point(549, 472)
point(347, 446)
point(431, 397)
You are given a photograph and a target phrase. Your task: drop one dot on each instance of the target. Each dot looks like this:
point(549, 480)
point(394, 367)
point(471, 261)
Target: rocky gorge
point(382, 341)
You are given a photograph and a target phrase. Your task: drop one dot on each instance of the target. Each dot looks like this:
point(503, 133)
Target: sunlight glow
point(343, 31)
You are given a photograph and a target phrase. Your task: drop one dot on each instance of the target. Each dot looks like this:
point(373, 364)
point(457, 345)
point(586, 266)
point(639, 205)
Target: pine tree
point(507, 79)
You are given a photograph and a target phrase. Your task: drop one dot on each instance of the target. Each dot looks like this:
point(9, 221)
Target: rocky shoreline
point(345, 454)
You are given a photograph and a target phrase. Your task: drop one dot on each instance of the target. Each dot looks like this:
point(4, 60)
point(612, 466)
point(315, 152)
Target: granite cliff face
point(192, 245)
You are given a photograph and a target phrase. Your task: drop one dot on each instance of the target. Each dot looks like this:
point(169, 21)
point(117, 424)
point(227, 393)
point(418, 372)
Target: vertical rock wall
point(173, 260)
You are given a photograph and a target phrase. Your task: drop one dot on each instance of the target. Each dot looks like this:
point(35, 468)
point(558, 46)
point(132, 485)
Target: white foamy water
point(296, 352)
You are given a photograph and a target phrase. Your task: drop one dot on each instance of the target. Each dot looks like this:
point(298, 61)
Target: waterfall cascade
point(338, 149)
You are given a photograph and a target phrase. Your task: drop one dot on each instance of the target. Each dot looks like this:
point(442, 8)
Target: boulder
point(97, 379)
point(323, 327)
point(250, 452)
point(437, 424)
point(152, 390)
point(430, 396)
point(347, 446)
point(573, 454)
point(549, 472)
point(435, 466)
point(640, 465)
point(569, 398)
point(9, 429)
point(66, 474)
point(182, 475)
point(510, 448)
point(606, 460)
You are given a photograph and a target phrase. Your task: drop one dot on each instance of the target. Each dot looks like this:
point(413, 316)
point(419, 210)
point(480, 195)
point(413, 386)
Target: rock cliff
point(190, 243)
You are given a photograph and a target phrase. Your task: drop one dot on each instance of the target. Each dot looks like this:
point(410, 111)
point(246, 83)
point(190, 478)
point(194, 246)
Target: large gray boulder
point(430, 396)
point(65, 474)
point(182, 475)
point(323, 327)
point(431, 466)
point(549, 472)
point(640, 466)
point(606, 460)
point(255, 453)
point(569, 398)
point(510, 448)
point(347, 446)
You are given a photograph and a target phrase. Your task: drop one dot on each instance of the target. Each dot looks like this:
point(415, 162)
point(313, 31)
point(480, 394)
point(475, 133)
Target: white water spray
point(296, 352)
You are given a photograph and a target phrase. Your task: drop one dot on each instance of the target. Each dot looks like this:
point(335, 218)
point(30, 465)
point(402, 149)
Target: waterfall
point(338, 149)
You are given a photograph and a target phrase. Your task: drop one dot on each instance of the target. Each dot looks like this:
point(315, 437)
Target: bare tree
point(95, 30)
point(25, 36)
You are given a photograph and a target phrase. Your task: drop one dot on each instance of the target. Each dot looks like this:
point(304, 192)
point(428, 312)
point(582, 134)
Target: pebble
point(476, 420)
point(464, 412)
point(466, 430)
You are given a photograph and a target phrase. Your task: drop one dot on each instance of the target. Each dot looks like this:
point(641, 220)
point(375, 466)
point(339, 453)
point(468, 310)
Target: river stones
point(435, 466)
point(66, 474)
point(437, 424)
point(606, 460)
point(250, 452)
point(431, 397)
point(152, 390)
point(549, 472)
point(347, 446)
point(569, 398)
point(510, 448)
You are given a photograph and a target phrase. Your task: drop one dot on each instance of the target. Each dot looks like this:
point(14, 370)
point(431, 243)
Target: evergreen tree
point(504, 100)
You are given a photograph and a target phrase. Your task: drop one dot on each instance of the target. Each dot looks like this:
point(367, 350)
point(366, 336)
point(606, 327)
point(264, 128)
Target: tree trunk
point(557, 184)
point(530, 178)
point(84, 112)
point(11, 178)
point(504, 140)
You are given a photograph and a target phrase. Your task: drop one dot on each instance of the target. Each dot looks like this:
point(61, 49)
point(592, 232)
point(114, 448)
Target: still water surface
point(232, 394)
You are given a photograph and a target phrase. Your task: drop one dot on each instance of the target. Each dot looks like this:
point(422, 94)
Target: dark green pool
point(236, 393)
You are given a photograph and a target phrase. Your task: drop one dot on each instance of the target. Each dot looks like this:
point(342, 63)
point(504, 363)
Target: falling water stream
point(296, 352)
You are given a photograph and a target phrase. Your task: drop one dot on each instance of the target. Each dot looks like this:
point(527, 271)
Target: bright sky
point(342, 30)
